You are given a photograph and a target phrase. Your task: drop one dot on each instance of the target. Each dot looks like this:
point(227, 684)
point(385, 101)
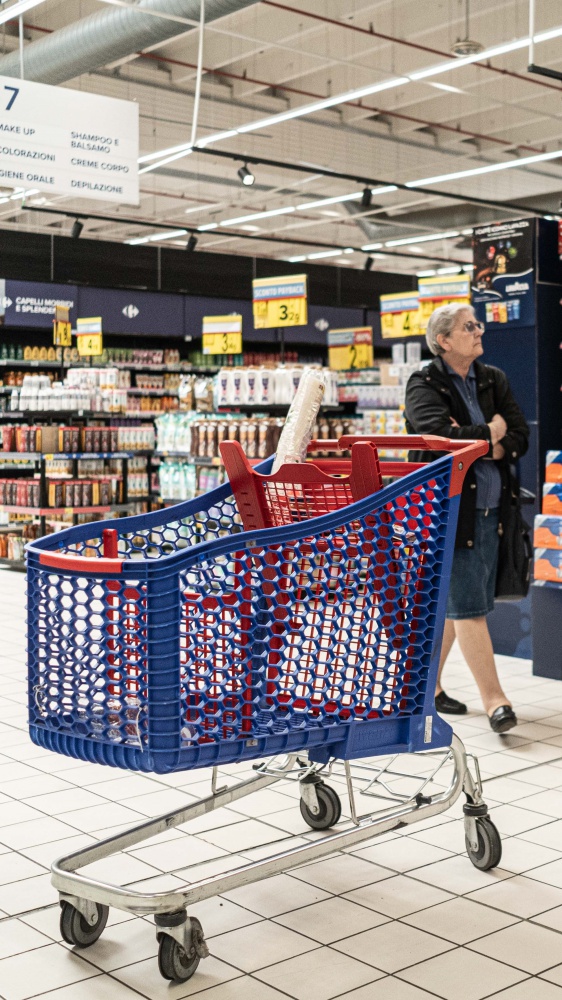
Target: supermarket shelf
point(135, 391)
point(37, 455)
point(17, 564)
point(270, 409)
point(9, 415)
point(47, 511)
point(133, 366)
point(191, 459)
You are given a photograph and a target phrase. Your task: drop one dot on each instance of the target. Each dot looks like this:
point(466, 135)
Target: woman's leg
point(448, 640)
point(476, 647)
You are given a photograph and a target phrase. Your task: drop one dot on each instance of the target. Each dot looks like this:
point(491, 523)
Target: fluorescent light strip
point(350, 96)
point(449, 270)
point(300, 112)
point(421, 239)
point(522, 161)
point(257, 215)
point(447, 87)
point(372, 246)
point(156, 237)
point(308, 206)
point(17, 9)
point(324, 253)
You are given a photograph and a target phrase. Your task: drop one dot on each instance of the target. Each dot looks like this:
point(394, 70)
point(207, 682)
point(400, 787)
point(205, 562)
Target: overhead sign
point(62, 141)
point(280, 301)
point(222, 334)
point(441, 290)
point(89, 337)
point(352, 348)
point(503, 278)
point(400, 315)
point(34, 303)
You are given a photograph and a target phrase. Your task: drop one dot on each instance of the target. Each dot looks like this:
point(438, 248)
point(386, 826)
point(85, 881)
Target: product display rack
point(37, 461)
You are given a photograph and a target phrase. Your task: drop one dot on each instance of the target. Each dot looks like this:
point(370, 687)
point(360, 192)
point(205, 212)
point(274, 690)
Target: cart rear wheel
point(330, 808)
point(174, 962)
point(76, 930)
point(489, 850)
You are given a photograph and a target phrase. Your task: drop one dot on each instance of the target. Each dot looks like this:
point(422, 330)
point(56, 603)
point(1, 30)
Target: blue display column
point(524, 341)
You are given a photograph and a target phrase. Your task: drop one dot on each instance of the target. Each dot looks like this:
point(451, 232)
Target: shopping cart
point(298, 620)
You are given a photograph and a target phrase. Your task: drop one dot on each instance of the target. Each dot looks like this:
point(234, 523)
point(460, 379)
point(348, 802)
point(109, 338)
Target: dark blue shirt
point(488, 479)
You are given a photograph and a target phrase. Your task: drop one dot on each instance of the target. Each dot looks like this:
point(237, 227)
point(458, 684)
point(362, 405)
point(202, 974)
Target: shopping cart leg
point(482, 838)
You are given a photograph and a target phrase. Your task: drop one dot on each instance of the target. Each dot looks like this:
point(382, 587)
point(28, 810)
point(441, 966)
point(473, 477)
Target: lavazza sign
point(53, 139)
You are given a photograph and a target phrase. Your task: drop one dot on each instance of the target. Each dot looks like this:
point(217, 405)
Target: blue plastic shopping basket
point(190, 642)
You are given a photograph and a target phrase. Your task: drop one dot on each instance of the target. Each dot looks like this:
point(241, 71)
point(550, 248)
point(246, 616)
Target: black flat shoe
point(449, 706)
point(503, 719)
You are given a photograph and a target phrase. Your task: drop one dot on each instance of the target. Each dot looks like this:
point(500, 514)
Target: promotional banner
point(280, 301)
point(441, 290)
point(400, 315)
point(33, 303)
point(503, 287)
point(133, 312)
point(61, 141)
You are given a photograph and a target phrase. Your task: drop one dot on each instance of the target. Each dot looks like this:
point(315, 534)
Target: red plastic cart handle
point(108, 563)
point(70, 563)
point(466, 452)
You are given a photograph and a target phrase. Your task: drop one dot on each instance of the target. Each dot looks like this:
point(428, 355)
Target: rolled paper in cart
point(301, 418)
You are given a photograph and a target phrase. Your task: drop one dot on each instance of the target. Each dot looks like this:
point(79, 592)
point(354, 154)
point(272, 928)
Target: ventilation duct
point(107, 36)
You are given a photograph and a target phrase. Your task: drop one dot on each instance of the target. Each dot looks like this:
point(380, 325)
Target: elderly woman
point(457, 396)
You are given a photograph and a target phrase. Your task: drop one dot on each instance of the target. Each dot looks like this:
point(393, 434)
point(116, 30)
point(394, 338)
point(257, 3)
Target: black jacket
point(431, 401)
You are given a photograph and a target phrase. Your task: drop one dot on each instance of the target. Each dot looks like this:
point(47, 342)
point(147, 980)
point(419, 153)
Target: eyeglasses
point(473, 325)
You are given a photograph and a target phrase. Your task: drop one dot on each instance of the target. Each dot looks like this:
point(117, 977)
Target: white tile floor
point(403, 917)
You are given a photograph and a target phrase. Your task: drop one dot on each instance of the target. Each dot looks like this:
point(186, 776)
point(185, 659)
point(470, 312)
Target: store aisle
point(405, 918)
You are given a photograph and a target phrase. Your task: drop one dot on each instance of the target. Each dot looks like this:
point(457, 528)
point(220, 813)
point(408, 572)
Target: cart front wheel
point(330, 808)
point(489, 850)
point(174, 962)
point(76, 930)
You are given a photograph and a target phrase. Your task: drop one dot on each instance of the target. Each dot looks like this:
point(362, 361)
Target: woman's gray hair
point(442, 322)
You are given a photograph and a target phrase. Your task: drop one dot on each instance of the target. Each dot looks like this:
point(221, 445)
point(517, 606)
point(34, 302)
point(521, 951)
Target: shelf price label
point(89, 337)
point(62, 330)
point(441, 290)
point(222, 334)
point(280, 301)
point(350, 348)
point(400, 315)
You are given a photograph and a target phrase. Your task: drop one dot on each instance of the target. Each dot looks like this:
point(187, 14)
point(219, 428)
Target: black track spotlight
point(246, 175)
point(369, 263)
point(191, 243)
point(77, 228)
point(366, 198)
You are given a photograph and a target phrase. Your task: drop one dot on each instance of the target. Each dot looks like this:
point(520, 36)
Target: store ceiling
point(272, 57)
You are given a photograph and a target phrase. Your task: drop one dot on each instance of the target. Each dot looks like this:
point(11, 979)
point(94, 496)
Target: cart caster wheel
point(489, 850)
point(330, 808)
point(174, 962)
point(76, 930)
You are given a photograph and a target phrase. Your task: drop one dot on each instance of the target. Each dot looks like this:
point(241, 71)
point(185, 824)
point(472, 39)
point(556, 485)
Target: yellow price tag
point(222, 343)
point(400, 324)
point(280, 312)
point(280, 301)
point(90, 345)
point(62, 333)
point(350, 348)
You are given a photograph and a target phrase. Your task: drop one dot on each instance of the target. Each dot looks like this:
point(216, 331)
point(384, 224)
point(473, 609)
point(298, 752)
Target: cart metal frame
point(170, 909)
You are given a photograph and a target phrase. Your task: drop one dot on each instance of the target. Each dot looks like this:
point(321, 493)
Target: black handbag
point(515, 555)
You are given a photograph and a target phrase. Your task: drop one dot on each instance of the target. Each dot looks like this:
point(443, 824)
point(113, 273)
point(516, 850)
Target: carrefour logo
point(321, 324)
point(6, 302)
point(130, 311)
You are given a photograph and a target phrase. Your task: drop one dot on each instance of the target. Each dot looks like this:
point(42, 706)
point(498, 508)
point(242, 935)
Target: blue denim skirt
point(473, 576)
